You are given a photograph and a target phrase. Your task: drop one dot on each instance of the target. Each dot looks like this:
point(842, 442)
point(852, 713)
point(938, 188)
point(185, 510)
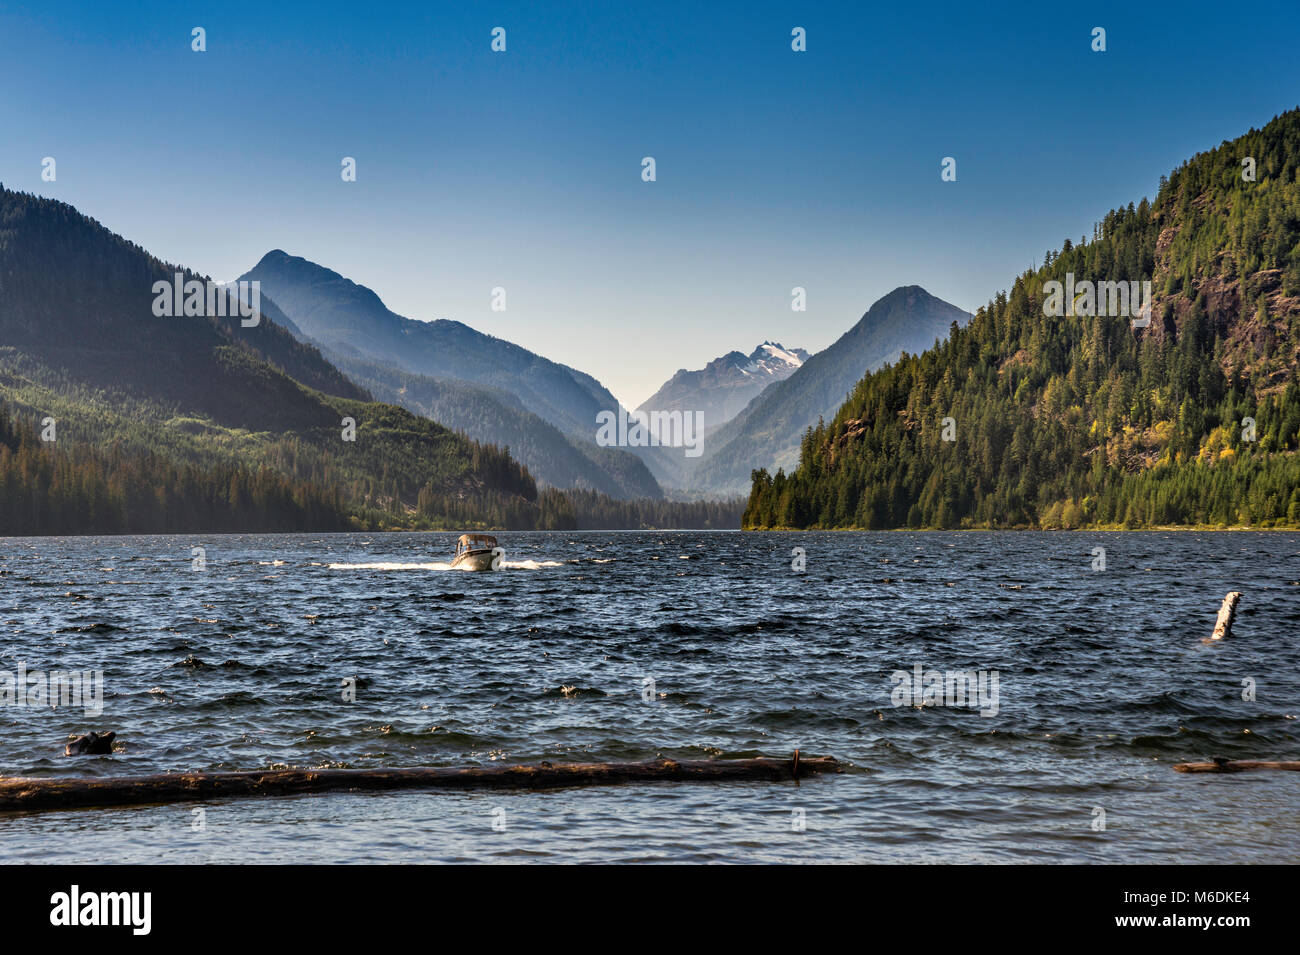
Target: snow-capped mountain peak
point(725, 385)
point(776, 352)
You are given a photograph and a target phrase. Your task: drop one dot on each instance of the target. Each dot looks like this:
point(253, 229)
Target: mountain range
point(755, 407)
point(329, 410)
point(79, 342)
point(83, 349)
point(492, 390)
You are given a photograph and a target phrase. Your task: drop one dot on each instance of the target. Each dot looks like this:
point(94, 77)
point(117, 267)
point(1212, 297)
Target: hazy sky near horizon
point(522, 169)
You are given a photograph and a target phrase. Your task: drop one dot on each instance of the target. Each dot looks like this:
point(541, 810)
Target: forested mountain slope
point(1085, 420)
point(80, 343)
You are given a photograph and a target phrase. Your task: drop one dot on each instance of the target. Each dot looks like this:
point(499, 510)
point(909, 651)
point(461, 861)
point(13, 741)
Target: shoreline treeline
point(48, 488)
point(70, 487)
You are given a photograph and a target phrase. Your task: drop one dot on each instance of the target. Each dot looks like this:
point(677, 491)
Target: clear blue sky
point(523, 169)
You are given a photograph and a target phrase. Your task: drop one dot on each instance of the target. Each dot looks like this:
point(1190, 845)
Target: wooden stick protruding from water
point(1221, 765)
point(1227, 614)
point(28, 793)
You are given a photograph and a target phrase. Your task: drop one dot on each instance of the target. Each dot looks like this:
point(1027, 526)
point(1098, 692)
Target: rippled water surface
point(1104, 682)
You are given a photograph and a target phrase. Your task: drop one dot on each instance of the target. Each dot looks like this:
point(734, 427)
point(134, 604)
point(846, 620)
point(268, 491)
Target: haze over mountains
point(755, 407)
point(489, 388)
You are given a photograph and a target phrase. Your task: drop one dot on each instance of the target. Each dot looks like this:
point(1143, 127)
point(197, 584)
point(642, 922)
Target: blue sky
point(522, 169)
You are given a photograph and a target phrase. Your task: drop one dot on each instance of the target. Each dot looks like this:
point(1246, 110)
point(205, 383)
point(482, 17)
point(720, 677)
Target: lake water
point(1103, 683)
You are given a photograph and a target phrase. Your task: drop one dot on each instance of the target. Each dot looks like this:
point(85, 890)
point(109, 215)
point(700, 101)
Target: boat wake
point(438, 565)
point(387, 565)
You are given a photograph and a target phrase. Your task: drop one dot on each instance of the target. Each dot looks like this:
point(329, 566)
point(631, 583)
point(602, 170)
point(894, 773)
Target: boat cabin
point(469, 543)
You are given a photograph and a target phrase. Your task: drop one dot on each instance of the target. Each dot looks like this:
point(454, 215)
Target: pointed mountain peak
point(278, 267)
point(907, 296)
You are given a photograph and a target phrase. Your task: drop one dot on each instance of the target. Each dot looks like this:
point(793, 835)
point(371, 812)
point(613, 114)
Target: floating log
point(1221, 765)
point(1227, 614)
point(28, 793)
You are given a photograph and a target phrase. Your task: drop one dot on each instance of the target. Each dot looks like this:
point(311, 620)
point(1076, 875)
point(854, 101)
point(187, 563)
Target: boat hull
point(473, 560)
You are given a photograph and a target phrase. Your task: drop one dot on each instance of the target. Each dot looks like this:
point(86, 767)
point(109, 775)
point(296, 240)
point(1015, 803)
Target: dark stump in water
point(92, 744)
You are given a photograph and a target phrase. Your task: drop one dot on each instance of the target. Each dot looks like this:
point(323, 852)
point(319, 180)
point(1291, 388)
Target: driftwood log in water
point(27, 793)
point(1237, 765)
point(1227, 614)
